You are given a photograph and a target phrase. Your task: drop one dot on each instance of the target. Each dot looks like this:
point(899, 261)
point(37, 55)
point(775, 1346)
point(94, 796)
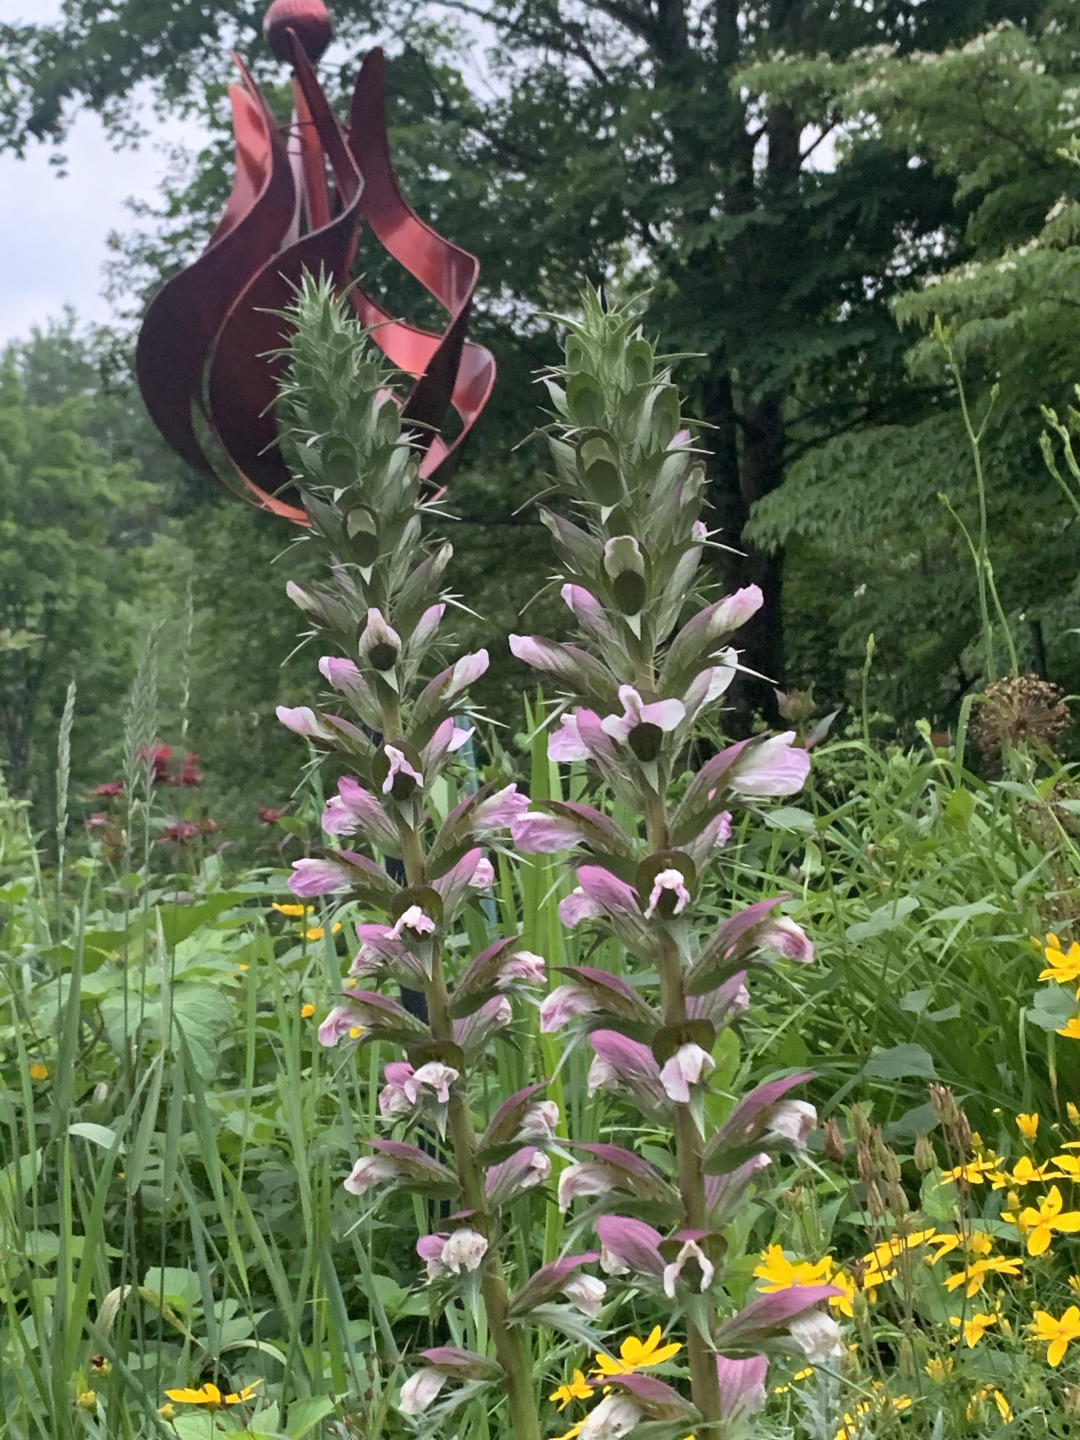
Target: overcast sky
point(53, 231)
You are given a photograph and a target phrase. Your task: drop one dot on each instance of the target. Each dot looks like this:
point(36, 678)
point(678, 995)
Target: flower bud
point(380, 644)
point(625, 568)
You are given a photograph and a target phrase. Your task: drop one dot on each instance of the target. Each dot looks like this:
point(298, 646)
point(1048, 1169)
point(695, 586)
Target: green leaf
point(887, 917)
point(790, 817)
point(966, 912)
point(99, 1134)
point(902, 1062)
point(1052, 1008)
point(305, 1414)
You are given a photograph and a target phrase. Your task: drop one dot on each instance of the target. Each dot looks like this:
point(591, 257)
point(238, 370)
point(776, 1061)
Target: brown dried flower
point(1019, 709)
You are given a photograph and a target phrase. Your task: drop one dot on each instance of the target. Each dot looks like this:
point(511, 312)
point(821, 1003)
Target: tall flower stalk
point(651, 667)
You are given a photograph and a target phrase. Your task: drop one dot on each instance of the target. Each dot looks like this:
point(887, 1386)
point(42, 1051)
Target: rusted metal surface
point(205, 360)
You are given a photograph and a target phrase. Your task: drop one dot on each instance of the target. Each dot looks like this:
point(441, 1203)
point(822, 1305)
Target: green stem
point(984, 570)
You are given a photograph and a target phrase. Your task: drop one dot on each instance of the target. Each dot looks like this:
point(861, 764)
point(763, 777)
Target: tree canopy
point(785, 181)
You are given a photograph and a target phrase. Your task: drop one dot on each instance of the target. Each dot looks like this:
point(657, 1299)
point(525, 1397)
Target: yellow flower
point(87, 1400)
point(1028, 1125)
point(780, 1273)
point(1025, 1173)
point(294, 912)
point(574, 1431)
point(306, 1012)
point(973, 1275)
point(843, 1301)
point(1039, 1225)
point(878, 1401)
point(39, 1072)
point(1071, 1031)
point(578, 1389)
point(977, 1171)
point(974, 1328)
point(1069, 1166)
point(167, 1412)
point(635, 1354)
point(210, 1396)
point(1056, 1335)
point(989, 1392)
point(937, 1368)
point(1063, 966)
point(1072, 1112)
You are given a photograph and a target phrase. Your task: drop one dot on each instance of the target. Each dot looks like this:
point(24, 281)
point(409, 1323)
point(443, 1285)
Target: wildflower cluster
point(637, 689)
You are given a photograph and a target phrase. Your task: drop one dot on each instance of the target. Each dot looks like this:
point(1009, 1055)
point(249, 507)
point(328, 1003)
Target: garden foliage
point(537, 1156)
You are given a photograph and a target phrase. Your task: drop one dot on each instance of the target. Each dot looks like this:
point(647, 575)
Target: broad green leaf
point(306, 1413)
point(902, 1062)
point(887, 917)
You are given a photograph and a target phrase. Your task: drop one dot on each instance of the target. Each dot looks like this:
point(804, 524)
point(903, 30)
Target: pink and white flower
point(614, 1417)
point(563, 1005)
point(420, 1390)
point(793, 1121)
point(578, 907)
point(522, 968)
point(414, 920)
point(399, 765)
point(393, 1098)
point(370, 1170)
point(817, 1336)
point(565, 745)
point(586, 1294)
point(535, 834)
point(312, 877)
point(341, 1021)
point(774, 767)
point(664, 714)
point(524, 1170)
point(302, 720)
point(464, 1250)
point(668, 882)
point(783, 936)
point(672, 1273)
point(483, 877)
point(538, 1123)
point(742, 1385)
point(688, 1066)
point(499, 811)
point(582, 1179)
point(433, 1077)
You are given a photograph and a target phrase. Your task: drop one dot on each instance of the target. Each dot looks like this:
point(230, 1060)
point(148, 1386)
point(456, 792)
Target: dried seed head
point(897, 1200)
point(925, 1159)
point(863, 1164)
point(875, 1205)
point(860, 1126)
point(834, 1142)
point(1018, 710)
point(943, 1104)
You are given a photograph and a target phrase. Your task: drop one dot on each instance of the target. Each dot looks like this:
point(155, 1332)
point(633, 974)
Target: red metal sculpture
point(208, 336)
